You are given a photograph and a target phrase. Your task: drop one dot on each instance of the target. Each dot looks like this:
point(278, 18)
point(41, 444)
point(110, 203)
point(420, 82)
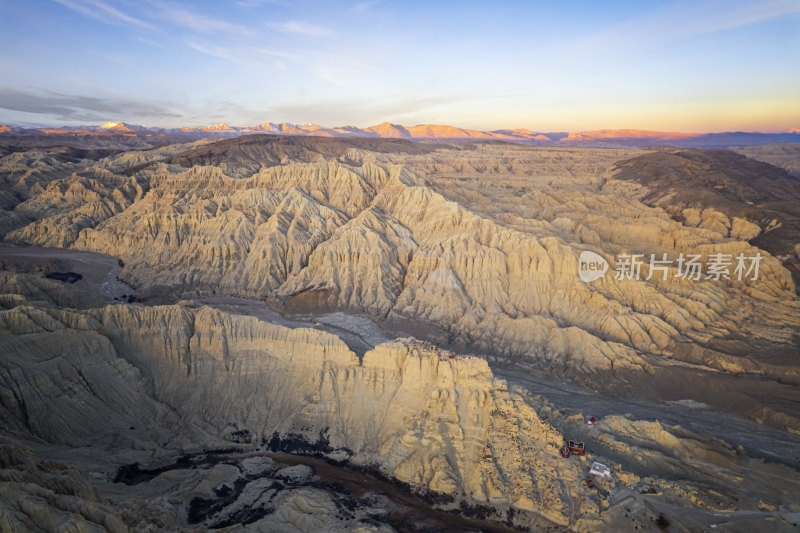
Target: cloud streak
point(167, 12)
point(259, 3)
point(362, 7)
point(365, 113)
point(68, 107)
point(749, 14)
point(250, 55)
point(104, 12)
point(302, 28)
point(675, 22)
point(198, 22)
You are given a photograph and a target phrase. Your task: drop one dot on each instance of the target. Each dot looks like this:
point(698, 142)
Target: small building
point(576, 447)
point(601, 470)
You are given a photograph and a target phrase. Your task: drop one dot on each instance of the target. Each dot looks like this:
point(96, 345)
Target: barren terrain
point(409, 311)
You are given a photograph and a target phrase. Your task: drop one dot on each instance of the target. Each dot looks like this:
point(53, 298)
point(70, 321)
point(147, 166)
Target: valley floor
point(284, 490)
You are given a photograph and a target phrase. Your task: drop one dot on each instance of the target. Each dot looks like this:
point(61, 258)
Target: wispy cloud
point(104, 12)
point(365, 6)
point(249, 55)
point(114, 58)
point(750, 13)
point(340, 111)
point(302, 28)
point(274, 53)
point(259, 3)
point(682, 20)
point(198, 22)
point(150, 42)
point(157, 11)
point(68, 108)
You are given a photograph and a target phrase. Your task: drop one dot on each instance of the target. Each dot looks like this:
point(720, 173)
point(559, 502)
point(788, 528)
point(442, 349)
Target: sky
point(694, 66)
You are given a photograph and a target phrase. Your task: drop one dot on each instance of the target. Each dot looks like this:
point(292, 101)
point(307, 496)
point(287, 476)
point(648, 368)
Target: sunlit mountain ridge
point(605, 137)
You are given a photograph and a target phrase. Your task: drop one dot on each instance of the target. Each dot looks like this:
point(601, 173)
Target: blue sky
point(547, 66)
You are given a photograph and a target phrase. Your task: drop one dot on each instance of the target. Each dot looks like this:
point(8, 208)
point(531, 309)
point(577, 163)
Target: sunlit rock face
point(472, 248)
point(440, 424)
point(151, 383)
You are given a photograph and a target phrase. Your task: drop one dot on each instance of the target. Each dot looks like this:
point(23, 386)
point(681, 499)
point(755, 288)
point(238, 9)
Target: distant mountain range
point(603, 138)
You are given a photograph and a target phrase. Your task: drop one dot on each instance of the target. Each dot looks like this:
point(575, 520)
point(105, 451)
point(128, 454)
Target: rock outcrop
point(441, 425)
point(474, 247)
point(157, 382)
point(47, 496)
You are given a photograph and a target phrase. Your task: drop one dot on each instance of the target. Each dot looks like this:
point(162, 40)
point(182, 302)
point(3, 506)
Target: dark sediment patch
point(201, 509)
point(64, 277)
point(133, 474)
point(94, 144)
point(359, 482)
point(66, 153)
point(350, 487)
point(730, 183)
point(249, 153)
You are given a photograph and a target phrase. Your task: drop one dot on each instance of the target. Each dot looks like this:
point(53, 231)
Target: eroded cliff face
point(473, 247)
point(152, 383)
point(441, 425)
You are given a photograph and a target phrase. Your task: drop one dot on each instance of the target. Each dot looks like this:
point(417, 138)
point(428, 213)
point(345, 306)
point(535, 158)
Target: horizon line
point(793, 130)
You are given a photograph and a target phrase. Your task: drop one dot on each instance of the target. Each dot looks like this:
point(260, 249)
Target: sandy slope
point(473, 247)
point(148, 384)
